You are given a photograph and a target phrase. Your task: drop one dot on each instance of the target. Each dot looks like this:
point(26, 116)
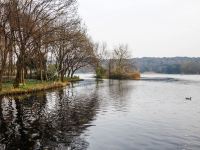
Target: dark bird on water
point(188, 98)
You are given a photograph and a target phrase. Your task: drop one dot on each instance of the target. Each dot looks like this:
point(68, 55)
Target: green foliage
point(100, 72)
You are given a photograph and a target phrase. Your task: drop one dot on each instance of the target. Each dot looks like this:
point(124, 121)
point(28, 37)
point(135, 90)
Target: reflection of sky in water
point(51, 101)
point(148, 114)
point(109, 114)
point(173, 76)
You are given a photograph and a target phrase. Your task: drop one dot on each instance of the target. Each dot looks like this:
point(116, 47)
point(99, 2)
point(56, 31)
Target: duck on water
point(188, 98)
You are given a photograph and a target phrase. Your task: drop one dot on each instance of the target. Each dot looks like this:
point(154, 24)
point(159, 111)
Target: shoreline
point(37, 87)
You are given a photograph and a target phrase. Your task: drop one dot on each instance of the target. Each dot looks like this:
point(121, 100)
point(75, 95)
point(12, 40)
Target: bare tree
point(73, 51)
point(28, 21)
point(83, 53)
point(31, 30)
point(5, 42)
point(102, 57)
point(121, 55)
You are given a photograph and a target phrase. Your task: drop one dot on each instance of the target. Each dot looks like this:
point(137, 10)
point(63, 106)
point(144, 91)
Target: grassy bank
point(32, 86)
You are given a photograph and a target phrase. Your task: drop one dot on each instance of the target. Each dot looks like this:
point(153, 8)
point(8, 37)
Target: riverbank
point(33, 86)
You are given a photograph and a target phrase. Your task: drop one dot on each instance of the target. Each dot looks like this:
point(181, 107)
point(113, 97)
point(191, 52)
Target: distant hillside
point(167, 65)
point(174, 65)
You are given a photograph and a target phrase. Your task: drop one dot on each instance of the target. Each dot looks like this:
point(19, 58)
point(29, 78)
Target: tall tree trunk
point(72, 74)
point(60, 71)
point(1, 76)
point(41, 75)
point(31, 74)
point(41, 71)
point(45, 72)
point(10, 66)
point(20, 75)
point(63, 73)
point(62, 76)
point(69, 73)
point(26, 73)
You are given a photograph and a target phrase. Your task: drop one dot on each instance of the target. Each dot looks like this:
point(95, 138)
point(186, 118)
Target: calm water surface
point(150, 114)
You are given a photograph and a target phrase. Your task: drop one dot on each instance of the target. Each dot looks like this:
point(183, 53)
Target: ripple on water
point(147, 114)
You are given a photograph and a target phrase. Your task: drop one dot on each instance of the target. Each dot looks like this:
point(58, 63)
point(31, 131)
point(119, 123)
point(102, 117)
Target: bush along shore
point(125, 76)
point(33, 86)
point(118, 74)
point(117, 65)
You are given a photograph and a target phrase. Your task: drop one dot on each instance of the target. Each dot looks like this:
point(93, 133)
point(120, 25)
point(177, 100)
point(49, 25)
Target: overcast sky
point(150, 27)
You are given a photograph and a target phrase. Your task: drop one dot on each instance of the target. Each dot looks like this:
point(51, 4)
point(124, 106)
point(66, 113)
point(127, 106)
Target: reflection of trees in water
point(119, 91)
point(25, 122)
point(122, 87)
point(18, 116)
point(3, 128)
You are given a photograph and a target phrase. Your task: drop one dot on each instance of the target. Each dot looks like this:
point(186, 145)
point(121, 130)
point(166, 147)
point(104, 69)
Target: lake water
point(151, 114)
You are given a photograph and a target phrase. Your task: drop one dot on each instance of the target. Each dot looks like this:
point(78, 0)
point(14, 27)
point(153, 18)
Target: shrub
point(122, 75)
point(100, 72)
point(134, 75)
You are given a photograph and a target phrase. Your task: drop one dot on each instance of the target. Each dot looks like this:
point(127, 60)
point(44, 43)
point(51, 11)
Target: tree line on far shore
point(171, 65)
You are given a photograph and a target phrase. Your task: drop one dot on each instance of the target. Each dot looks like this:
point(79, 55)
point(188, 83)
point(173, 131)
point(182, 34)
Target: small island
point(117, 65)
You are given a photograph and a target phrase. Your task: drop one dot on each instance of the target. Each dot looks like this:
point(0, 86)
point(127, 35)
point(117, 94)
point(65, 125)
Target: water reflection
point(107, 114)
point(46, 120)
